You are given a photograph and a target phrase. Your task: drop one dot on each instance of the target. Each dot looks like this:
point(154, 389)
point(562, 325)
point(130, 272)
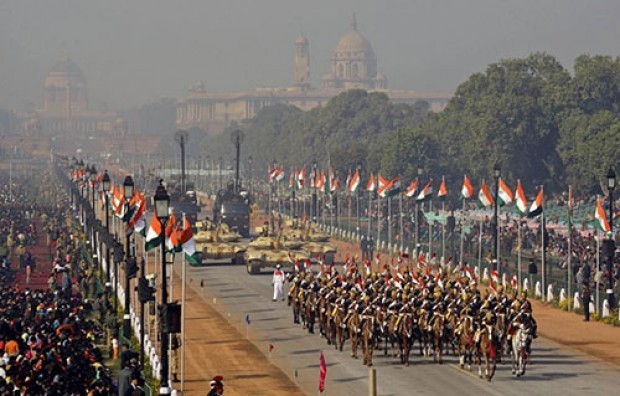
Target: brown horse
point(425, 333)
point(339, 327)
point(368, 338)
point(309, 310)
point(501, 331)
point(486, 351)
point(353, 325)
point(405, 333)
point(322, 312)
point(437, 332)
point(466, 342)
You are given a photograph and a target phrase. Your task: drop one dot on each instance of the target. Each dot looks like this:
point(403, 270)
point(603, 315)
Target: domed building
point(65, 104)
point(354, 64)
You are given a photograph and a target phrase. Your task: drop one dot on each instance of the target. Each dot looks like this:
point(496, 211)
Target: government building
point(65, 105)
point(353, 66)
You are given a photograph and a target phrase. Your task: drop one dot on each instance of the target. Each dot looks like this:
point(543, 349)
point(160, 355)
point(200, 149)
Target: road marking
point(470, 374)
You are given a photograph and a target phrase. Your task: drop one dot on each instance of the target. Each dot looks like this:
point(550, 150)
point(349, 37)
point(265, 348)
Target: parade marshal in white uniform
point(278, 283)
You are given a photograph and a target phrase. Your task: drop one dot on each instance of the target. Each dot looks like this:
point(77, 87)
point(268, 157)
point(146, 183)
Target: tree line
point(531, 116)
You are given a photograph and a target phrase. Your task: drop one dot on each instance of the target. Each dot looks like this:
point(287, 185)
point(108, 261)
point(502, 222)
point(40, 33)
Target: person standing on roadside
point(364, 247)
point(585, 297)
point(278, 283)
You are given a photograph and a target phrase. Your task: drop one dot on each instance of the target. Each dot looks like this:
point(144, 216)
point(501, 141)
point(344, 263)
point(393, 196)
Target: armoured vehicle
point(268, 250)
point(233, 209)
point(312, 240)
point(219, 242)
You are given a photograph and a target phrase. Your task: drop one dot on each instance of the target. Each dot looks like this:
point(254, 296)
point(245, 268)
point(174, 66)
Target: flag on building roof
point(443, 191)
point(412, 189)
point(153, 235)
point(370, 186)
point(427, 192)
point(354, 182)
point(391, 188)
point(537, 205)
point(600, 219)
point(468, 189)
point(188, 245)
point(505, 196)
point(521, 200)
point(485, 198)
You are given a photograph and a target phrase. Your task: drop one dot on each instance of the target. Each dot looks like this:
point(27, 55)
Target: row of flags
point(175, 238)
point(132, 212)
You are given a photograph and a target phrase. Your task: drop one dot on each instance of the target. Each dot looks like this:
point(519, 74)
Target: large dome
point(353, 43)
point(66, 66)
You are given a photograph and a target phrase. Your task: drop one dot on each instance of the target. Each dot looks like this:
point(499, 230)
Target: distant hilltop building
point(353, 66)
point(65, 105)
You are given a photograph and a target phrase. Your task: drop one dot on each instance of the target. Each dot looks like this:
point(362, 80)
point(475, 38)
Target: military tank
point(219, 242)
point(310, 240)
point(268, 250)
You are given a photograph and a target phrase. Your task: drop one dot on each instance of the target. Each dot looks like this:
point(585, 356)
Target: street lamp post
point(611, 185)
point(314, 211)
point(162, 204)
point(93, 180)
point(417, 214)
point(496, 173)
point(105, 182)
point(128, 189)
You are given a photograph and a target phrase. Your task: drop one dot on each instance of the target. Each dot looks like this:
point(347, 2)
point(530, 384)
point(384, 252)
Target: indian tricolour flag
point(521, 200)
point(412, 189)
point(468, 189)
point(153, 235)
point(443, 191)
point(504, 195)
point(391, 189)
point(485, 198)
point(600, 219)
point(370, 187)
point(188, 245)
point(172, 242)
point(355, 181)
point(537, 205)
point(427, 192)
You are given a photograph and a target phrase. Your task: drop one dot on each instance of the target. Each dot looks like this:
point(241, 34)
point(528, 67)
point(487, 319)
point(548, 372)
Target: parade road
point(555, 370)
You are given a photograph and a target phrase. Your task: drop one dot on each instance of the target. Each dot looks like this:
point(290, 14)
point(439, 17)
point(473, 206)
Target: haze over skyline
point(134, 52)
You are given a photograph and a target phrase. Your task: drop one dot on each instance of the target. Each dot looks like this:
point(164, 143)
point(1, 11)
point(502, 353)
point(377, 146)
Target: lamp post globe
point(162, 202)
point(105, 181)
point(128, 187)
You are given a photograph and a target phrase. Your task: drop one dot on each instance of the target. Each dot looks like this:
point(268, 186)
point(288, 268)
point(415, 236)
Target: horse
point(520, 344)
point(486, 351)
point(386, 321)
point(465, 342)
point(322, 308)
point(502, 341)
point(368, 338)
point(425, 336)
point(353, 326)
point(450, 338)
point(309, 310)
point(339, 327)
point(437, 332)
point(405, 333)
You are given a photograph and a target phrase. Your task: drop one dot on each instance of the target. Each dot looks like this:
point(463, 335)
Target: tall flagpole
point(569, 266)
point(519, 253)
point(402, 238)
point(430, 229)
point(462, 233)
point(183, 305)
point(369, 213)
point(598, 264)
point(389, 219)
point(480, 250)
point(544, 265)
point(443, 231)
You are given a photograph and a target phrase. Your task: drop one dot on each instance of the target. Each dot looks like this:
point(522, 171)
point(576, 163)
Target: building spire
point(354, 23)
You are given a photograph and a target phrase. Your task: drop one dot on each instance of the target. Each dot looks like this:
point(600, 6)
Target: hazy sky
point(134, 51)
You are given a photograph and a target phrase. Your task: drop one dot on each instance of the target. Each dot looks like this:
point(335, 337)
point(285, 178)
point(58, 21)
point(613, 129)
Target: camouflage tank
point(219, 243)
point(316, 243)
point(267, 251)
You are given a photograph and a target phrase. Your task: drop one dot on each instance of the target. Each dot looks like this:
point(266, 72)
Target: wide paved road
point(556, 370)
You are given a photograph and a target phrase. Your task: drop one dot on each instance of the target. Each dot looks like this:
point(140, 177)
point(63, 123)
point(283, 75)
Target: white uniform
point(278, 283)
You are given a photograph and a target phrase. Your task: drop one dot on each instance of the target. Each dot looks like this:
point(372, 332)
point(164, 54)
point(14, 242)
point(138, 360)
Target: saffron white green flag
point(600, 220)
point(153, 235)
point(186, 238)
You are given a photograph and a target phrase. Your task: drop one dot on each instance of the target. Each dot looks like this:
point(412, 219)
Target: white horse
point(521, 341)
